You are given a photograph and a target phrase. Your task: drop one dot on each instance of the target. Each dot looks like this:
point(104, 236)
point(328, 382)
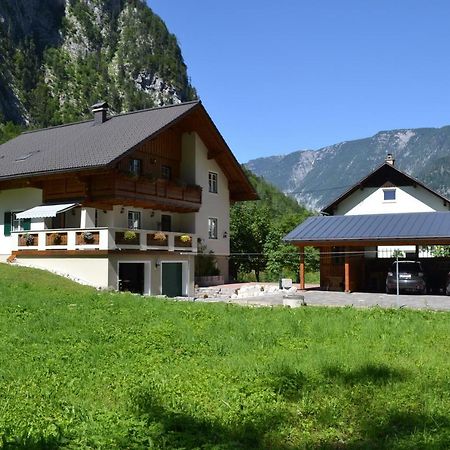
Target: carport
point(348, 244)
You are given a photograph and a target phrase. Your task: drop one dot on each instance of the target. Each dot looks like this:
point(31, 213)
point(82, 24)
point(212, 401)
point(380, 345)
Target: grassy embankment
point(83, 369)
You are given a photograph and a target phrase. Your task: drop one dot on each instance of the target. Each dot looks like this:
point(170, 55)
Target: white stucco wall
point(196, 166)
point(89, 271)
point(408, 199)
point(17, 200)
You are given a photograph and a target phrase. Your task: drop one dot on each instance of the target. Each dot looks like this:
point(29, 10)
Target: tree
point(249, 227)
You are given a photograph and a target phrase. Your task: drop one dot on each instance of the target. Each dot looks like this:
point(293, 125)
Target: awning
point(45, 211)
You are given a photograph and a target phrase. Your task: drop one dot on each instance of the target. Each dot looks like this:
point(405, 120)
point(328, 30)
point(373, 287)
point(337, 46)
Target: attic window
point(389, 195)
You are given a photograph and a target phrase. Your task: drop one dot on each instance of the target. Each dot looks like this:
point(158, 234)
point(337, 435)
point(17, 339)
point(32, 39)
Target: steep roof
point(84, 145)
point(384, 173)
point(372, 227)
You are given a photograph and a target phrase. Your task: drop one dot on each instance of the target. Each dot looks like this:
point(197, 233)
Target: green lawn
point(81, 369)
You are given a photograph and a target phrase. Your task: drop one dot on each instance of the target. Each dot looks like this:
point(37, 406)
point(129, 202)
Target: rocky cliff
point(315, 178)
point(57, 57)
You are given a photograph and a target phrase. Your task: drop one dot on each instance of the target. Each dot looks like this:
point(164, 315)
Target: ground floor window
point(212, 228)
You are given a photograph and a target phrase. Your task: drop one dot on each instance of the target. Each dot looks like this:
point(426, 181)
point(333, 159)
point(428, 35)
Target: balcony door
point(166, 222)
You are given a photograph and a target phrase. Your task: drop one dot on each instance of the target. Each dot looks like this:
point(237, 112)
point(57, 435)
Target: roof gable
point(384, 175)
point(86, 145)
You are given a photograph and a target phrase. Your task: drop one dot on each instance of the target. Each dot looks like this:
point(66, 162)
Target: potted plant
point(159, 236)
point(88, 237)
point(29, 239)
point(185, 239)
point(56, 239)
point(129, 235)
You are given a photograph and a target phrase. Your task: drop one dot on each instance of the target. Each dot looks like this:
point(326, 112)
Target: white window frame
point(394, 190)
point(213, 231)
point(133, 218)
point(135, 166)
point(16, 224)
point(213, 179)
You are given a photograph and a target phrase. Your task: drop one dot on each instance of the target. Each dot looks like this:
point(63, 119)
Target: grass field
point(81, 369)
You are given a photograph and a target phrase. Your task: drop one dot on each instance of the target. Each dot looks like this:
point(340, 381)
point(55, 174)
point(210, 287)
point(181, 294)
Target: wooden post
point(302, 268)
point(347, 272)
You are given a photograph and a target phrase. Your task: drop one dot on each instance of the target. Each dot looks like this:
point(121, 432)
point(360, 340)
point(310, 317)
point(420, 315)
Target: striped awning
point(45, 211)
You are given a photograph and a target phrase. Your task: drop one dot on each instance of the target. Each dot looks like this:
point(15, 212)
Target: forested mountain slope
point(58, 57)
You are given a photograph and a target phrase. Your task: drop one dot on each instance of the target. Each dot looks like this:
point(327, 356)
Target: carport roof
point(426, 227)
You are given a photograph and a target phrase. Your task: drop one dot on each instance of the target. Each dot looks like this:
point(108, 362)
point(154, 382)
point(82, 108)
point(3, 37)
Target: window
point(134, 220)
point(212, 228)
point(212, 180)
point(166, 172)
point(135, 167)
point(17, 224)
point(389, 194)
point(12, 223)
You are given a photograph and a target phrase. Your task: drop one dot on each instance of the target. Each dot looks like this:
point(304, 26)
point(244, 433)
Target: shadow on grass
point(17, 443)
point(398, 430)
point(181, 430)
point(371, 373)
point(288, 383)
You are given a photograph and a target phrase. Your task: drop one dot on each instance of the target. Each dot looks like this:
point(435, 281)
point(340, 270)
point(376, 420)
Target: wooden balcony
point(104, 239)
point(156, 194)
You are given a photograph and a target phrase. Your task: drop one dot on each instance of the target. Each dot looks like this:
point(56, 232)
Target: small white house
point(359, 232)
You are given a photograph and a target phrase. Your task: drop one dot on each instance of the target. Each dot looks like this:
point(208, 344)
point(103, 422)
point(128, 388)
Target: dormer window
point(166, 172)
point(135, 167)
point(389, 195)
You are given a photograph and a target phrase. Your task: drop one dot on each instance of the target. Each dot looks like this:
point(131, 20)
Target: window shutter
point(7, 224)
point(26, 224)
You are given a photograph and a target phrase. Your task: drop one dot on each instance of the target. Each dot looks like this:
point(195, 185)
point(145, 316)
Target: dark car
point(447, 285)
point(410, 278)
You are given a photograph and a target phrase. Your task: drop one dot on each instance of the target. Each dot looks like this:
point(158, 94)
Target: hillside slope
point(58, 57)
point(315, 178)
point(82, 369)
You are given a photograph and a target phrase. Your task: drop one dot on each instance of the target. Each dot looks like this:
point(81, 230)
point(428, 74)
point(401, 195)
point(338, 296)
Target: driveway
point(315, 297)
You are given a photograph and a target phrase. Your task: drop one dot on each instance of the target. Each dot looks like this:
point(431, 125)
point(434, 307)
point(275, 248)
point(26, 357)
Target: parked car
point(447, 285)
point(411, 278)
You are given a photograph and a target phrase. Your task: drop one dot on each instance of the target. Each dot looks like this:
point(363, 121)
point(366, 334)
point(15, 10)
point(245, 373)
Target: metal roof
point(372, 227)
point(84, 144)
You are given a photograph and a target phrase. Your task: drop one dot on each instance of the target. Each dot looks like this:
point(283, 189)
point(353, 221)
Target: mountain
point(315, 178)
point(58, 57)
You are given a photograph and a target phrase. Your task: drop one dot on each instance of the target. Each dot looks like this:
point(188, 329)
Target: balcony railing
point(105, 239)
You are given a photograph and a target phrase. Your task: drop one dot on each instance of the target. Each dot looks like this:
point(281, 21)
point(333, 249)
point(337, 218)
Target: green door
point(172, 279)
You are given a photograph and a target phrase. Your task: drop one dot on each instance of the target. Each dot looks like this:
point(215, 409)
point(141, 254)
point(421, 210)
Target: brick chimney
point(99, 110)
point(390, 159)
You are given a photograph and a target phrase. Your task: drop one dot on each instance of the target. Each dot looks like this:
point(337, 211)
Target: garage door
point(172, 279)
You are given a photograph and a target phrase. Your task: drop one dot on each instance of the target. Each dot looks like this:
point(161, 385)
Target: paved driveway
point(314, 297)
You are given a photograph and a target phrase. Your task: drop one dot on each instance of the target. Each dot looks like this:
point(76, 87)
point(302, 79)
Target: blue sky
point(295, 74)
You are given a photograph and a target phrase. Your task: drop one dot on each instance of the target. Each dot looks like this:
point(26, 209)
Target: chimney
point(99, 111)
point(390, 159)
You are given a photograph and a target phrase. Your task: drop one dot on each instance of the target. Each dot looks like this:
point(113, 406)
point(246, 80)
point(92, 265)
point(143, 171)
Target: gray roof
point(84, 145)
point(367, 227)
